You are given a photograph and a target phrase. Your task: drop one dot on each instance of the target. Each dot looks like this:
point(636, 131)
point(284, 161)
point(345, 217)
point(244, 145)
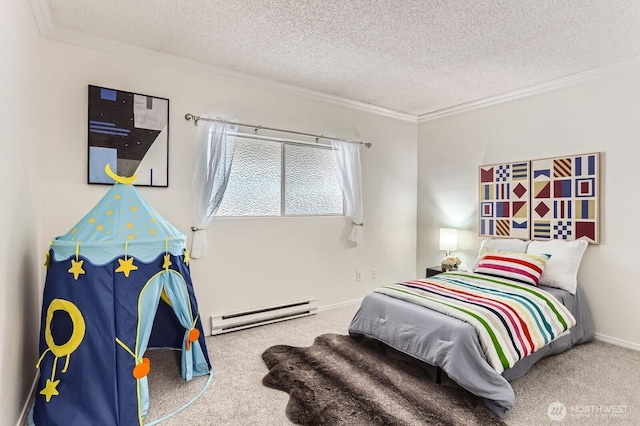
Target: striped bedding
point(512, 319)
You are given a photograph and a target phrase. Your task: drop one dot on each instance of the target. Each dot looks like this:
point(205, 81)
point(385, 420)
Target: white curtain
point(347, 156)
point(214, 155)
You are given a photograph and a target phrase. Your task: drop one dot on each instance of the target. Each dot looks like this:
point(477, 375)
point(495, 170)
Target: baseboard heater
point(262, 316)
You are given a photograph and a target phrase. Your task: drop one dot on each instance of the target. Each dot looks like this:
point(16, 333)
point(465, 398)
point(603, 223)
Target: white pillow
point(561, 270)
point(512, 245)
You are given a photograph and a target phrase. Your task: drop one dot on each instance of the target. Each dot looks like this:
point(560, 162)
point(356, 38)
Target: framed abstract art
point(129, 132)
point(546, 199)
point(566, 198)
point(504, 200)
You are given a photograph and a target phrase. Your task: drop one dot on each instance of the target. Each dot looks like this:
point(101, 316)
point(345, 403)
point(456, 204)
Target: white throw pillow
point(512, 245)
point(561, 270)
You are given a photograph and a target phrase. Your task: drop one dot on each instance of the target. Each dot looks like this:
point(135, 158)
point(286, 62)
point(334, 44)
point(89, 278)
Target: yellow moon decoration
point(119, 179)
point(165, 297)
point(78, 327)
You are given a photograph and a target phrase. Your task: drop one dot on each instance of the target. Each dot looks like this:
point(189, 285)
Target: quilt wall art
point(565, 198)
point(504, 200)
point(130, 132)
point(546, 199)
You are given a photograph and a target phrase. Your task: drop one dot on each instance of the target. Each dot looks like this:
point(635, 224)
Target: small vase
point(446, 268)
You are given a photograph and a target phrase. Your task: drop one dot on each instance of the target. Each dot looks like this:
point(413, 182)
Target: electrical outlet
point(358, 275)
point(374, 274)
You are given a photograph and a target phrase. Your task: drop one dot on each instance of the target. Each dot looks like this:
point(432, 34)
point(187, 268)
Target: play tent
point(117, 283)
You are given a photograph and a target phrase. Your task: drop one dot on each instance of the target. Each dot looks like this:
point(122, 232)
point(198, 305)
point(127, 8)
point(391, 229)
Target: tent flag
point(117, 284)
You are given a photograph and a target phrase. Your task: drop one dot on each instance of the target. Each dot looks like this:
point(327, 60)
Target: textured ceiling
point(408, 56)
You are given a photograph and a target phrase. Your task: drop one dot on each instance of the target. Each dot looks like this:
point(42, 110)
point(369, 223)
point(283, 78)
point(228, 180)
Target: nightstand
point(434, 270)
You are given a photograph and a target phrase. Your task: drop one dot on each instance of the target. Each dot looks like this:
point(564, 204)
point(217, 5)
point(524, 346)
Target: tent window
point(61, 327)
point(272, 178)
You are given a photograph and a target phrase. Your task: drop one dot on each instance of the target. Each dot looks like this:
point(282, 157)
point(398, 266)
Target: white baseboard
point(339, 305)
point(617, 342)
point(22, 420)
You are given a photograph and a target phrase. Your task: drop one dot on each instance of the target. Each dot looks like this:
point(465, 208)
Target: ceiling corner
point(42, 15)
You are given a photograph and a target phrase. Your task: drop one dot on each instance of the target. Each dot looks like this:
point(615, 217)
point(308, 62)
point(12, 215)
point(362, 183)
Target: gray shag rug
point(343, 381)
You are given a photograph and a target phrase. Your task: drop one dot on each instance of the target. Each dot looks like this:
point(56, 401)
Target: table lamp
point(449, 243)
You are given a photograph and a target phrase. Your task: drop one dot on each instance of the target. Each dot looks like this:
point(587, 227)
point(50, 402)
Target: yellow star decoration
point(117, 197)
point(109, 213)
point(167, 262)
point(74, 230)
point(126, 266)
point(134, 208)
point(76, 268)
point(50, 389)
point(131, 237)
point(47, 260)
point(92, 220)
point(129, 225)
point(187, 258)
point(152, 231)
point(100, 227)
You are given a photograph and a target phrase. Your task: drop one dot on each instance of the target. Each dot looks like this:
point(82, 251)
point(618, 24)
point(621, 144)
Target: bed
point(454, 345)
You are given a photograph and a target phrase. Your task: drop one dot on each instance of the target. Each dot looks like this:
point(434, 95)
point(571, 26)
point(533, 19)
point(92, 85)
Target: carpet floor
point(596, 383)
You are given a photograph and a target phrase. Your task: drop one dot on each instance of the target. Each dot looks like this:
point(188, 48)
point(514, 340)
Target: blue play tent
point(117, 283)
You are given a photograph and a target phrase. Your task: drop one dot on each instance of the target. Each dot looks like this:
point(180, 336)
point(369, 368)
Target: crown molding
point(49, 30)
point(42, 15)
point(535, 89)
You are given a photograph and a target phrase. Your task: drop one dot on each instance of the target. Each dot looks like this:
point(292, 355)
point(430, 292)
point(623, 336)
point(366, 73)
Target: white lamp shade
point(448, 239)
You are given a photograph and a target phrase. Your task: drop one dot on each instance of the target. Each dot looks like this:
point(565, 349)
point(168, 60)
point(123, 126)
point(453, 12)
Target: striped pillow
point(522, 267)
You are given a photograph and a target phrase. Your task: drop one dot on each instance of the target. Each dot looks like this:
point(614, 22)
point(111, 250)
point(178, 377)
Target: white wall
point(20, 255)
point(600, 115)
point(252, 262)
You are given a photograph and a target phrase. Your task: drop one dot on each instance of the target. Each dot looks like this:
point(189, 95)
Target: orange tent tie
point(194, 335)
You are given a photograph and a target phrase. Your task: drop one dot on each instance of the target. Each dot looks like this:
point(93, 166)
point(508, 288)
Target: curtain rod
point(197, 118)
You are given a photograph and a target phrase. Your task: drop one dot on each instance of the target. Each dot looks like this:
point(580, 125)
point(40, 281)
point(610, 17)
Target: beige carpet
point(586, 383)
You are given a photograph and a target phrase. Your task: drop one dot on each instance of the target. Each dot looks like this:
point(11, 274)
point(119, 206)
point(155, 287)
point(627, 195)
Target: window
point(272, 178)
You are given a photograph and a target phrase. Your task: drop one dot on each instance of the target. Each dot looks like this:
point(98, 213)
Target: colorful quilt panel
point(504, 200)
point(565, 198)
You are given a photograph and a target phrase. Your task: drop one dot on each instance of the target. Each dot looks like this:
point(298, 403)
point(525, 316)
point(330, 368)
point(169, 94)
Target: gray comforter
point(453, 345)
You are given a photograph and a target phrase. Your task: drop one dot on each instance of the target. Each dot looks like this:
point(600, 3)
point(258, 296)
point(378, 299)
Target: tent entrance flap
point(168, 287)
